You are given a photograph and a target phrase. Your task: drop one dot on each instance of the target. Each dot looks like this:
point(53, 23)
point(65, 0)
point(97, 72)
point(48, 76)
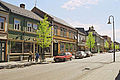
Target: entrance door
point(55, 49)
point(2, 50)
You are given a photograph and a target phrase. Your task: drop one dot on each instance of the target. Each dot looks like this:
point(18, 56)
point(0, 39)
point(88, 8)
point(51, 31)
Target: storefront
point(3, 35)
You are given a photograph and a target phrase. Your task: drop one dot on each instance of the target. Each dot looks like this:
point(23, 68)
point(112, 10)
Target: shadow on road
point(118, 76)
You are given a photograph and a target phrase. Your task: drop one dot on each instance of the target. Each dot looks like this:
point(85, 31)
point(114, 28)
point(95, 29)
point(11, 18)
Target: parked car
point(63, 57)
point(84, 54)
point(88, 53)
point(80, 54)
point(110, 51)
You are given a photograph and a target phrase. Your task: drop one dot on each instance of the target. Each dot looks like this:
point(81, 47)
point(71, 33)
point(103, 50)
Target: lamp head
point(109, 21)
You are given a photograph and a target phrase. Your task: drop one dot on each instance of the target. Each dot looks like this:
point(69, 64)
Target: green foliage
point(44, 38)
point(90, 41)
point(106, 45)
point(112, 45)
point(116, 47)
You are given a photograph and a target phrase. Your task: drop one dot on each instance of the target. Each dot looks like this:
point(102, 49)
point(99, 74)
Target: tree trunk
point(90, 46)
point(43, 57)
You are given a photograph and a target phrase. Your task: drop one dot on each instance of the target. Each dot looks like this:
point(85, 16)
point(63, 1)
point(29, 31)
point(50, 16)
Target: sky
point(81, 13)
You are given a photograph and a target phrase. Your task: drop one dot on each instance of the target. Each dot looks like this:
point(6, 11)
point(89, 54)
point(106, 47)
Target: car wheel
point(71, 59)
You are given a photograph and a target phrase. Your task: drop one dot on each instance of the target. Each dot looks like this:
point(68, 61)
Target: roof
point(1, 8)
point(82, 30)
point(56, 19)
point(21, 11)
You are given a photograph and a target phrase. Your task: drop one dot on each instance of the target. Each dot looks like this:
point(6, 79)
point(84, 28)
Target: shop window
point(29, 27)
point(71, 47)
point(2, 22)
point(28, 47)
point(47, 50)
point(16, 24)
point(62, 47)
point(67, 47)
point(16, 47)
point(74, 47)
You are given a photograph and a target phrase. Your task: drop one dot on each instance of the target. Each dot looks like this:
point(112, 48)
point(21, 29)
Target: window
point(15, 49)
point(47, 50)
point(61, 31)
point(55, 30)
point(74, 46)
point(61, 46)
point(28, 47)
point(34, 27)
point(16, 24)
point(65, 32)
point(2, 21)
point(69, 34)
point(67, 47)
point(71, 46)
point(29, 27)
point(73, 36)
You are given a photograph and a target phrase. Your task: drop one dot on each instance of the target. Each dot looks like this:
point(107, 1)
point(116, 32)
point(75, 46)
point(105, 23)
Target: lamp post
point(98, 47)
point(113, 35)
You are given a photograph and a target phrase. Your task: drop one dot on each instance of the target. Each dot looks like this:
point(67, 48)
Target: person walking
point(30, 56)
point(36, 56)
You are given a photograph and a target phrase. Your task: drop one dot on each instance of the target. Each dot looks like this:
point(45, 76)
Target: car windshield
point(62, 54)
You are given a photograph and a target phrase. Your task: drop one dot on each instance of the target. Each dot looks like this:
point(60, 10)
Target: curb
point(21, 65)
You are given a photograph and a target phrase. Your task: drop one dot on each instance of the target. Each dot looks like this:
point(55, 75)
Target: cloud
point(101, 29)
point(79, 24)
point(73, 4)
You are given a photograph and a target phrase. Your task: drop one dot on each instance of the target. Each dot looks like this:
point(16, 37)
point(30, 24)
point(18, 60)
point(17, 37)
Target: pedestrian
point(30, 56)
point(36, 56)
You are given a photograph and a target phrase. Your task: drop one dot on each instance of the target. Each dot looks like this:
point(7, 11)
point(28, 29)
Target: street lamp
point(113, 35)
point(98, 47)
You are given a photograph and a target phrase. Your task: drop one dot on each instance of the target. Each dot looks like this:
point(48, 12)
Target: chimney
point(22, 6)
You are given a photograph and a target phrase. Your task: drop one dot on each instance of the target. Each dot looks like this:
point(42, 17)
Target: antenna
point(35, 2)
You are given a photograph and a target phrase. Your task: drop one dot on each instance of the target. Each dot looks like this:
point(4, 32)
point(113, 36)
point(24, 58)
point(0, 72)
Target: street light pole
point(113, 35)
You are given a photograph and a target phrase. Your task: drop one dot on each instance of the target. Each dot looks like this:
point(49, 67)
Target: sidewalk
point(21, 64)
point(107, 72)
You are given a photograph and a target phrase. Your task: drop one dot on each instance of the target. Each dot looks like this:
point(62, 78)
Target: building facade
point(81, 42)
point(40, 13)
point(64, 37)
point(4, 15)
point(21, 32)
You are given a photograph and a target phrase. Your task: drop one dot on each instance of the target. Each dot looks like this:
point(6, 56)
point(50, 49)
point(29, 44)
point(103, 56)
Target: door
point(2, 51)
point(55, 49)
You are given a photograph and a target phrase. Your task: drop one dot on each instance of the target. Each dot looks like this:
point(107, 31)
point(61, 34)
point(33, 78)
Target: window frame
point(17, 25)
point(62, 32)
point(33, 27)
point(3, 24)
point(55, 30)
point(65, 32)
point(28, 22)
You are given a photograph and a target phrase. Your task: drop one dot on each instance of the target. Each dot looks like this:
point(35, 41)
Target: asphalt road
point(90, 68)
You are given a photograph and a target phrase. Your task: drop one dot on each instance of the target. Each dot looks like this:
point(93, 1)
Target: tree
point(90, 41)
point(112, 45)
point(116, 47)
point(106, 45)
point(44, 38)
